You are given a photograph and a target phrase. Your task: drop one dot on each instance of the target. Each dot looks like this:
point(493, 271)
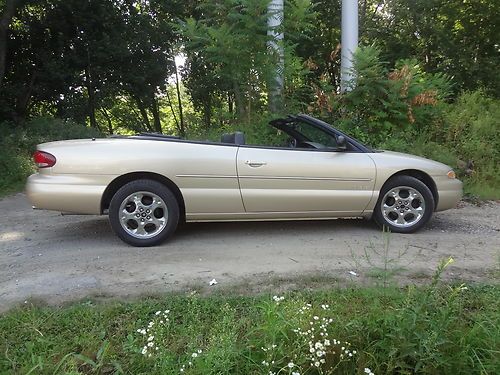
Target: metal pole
point(275, 44)
point(349, 42)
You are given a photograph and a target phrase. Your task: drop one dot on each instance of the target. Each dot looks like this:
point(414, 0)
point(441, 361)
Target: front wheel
point(144, 213)
point(405, 205)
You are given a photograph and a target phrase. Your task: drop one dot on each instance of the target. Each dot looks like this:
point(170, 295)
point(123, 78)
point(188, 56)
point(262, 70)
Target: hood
point(401, 161)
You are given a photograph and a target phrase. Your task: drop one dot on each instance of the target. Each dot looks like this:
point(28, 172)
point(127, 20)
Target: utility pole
point(349, 42)
point(274, 22)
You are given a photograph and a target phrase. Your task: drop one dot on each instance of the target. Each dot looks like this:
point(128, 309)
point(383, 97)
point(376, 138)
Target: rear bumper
point(450, 192)
point(67, 193)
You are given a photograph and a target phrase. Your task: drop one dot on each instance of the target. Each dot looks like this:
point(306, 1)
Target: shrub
point(471, 127)
point(385, 103)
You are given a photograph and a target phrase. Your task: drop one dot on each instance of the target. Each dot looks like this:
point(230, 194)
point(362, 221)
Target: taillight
point(44, 159)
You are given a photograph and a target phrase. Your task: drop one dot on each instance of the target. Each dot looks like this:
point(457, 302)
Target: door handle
point(255, 164)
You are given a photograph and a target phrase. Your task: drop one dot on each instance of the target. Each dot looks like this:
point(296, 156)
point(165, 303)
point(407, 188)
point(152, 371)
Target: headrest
point(237, 138)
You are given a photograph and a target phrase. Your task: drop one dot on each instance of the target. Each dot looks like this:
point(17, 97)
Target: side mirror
point(341, 143)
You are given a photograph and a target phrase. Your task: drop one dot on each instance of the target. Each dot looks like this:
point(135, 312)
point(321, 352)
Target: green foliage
point(471, 129)
point(230, 63)
point(18, 144)
point(382, 104)
point(446, 36)
point(72, 58)
point(426, 330)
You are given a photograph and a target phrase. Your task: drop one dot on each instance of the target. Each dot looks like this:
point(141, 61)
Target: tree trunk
point(181, 116)
point(173, 111)
point(207, 113)
point(9, 11)
point(144, 114)
point(230, 102)
point(91, 94)
point(238, 100)
point(108, 119)
point(23, 100)
point(156, 115)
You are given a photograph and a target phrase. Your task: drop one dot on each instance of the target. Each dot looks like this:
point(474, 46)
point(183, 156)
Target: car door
point(305, 180)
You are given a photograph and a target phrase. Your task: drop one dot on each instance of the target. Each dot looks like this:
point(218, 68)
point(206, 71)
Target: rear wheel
point(144, 213)
point(405, 205)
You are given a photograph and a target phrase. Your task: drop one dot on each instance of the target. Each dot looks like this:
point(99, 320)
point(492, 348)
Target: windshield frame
point(281, 124)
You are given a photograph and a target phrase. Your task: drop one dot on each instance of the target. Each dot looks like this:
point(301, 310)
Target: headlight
point(451, 174)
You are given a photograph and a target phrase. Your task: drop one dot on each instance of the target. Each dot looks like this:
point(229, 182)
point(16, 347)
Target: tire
point(405, 205)
point(144, 213)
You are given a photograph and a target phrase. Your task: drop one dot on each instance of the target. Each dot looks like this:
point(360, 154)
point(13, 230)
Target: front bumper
point(450, 192)
point(79, 194)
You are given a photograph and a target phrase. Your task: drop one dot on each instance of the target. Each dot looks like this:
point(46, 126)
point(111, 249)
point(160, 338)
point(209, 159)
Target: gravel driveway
point(53, 258)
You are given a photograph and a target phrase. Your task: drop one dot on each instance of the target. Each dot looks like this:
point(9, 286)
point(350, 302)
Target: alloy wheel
point(403, 206)
point(143, 214)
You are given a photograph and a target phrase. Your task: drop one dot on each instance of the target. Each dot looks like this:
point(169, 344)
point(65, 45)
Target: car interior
point(290, 132)
point(296, 134)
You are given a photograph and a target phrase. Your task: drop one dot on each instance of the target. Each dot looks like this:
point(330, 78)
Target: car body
point(321, 173)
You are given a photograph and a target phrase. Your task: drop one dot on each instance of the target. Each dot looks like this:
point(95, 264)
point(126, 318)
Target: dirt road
point(55, 258)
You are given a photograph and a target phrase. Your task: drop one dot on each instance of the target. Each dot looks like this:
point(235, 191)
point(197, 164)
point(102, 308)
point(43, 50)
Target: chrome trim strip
point(275, 177)
point(307, 178)
point(204, 176)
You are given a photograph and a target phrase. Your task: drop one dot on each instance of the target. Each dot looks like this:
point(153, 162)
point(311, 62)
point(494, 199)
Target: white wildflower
point(291, 364)
point(278, 299)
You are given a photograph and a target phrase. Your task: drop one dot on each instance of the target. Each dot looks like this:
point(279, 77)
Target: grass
point(434, 329)
point(12, 188)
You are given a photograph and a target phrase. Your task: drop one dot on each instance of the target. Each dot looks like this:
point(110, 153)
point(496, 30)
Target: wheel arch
point(421, 176)
point(118, 182)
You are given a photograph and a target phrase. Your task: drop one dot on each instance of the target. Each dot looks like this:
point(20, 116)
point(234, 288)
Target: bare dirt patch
point(54, 258)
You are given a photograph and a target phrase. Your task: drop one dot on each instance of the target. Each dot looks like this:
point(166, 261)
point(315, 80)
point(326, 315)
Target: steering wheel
point(292, 143)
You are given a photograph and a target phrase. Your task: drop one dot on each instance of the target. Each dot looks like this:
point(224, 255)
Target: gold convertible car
point(149, 183)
